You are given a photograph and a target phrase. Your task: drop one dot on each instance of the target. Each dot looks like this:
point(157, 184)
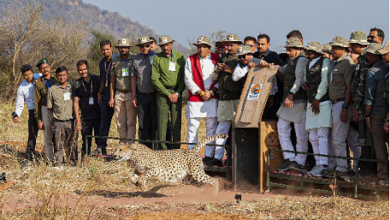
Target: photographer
point(25, 93)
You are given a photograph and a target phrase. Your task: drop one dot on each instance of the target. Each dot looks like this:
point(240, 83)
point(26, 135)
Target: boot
point(29, 153)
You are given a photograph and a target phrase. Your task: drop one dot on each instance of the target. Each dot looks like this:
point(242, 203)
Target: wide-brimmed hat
point(374, 48)
point(340, 42)
point(164, 40)
point(314, 46)
point(233, 38)
point(203, 40)
point(143, 40)
point(326, 48)
point(293, 42)
point(358, 37)
point(123, 42)
point(42, 61)
point(385, 49)
point(246, 49)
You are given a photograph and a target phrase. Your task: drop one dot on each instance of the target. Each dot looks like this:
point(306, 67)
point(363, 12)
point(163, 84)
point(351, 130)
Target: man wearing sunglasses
point(146, 93)
point(376, 35)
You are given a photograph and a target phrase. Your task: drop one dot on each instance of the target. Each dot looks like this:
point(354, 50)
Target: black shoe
point(298, 167)
point(343, 175)
point(285, 166)
point(207, 161)
point(216, 162)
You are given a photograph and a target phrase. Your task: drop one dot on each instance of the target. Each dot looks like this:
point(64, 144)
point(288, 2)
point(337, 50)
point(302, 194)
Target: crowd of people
point(335, 95)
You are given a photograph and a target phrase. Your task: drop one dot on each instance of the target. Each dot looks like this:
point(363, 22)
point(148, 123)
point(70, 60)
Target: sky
point(317, 20)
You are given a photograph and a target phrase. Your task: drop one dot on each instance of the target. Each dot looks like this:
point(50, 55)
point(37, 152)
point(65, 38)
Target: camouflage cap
point(294, 42)
point(243, 50)
point(143, 40)
point(314, 46)
point(203, 40)
point(123, 42)
point(233, 38)
point(326, 48)
point(42, 61)
point(358, 37)
point(374, 49)
point(340, 42)
point(385, 49)
point(164, 40)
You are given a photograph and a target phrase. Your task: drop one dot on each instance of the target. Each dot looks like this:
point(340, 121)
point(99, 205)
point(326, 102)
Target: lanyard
point(107, 69)
point(86, 88)
point(48, 85)
point(171, 57)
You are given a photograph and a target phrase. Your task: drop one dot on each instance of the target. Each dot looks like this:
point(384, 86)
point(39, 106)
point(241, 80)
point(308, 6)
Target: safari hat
point(314, 46)
point(385, 49)
point(143, 40)
point(164, 40)
point(358, 37)
point(246, 49)
point(233, 38)
point(374, 48)
point(44, 60)
point(326, 48)
point(294, 42)
point(123, 42)
point(203, 40)
point(340, 42)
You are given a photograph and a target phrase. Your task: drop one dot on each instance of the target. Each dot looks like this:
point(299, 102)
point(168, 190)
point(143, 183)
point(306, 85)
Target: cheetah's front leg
point(143, 180)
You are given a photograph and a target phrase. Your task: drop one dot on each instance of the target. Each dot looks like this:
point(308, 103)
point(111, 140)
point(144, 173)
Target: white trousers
point(223, 127)
point(284, 131)
point(339, 135)
point(319, 139)
point(192, 133)
point(352, 138)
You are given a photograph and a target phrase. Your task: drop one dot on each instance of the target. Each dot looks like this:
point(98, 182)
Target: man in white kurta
point(202, 101)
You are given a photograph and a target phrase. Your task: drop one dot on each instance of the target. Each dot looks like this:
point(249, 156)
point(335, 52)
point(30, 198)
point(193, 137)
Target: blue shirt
point(25, 93)
point(105, 68)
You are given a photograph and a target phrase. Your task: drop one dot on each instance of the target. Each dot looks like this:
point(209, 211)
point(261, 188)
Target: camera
point(14, 115)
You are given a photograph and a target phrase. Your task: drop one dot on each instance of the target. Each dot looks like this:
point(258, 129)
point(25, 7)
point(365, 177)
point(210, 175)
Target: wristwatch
point(291, 93)
point(178, 95)
point(344, 106)
point(212, 93)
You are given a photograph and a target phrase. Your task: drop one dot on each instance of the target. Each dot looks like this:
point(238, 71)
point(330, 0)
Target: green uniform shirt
point(163, 78)
point(122, 70)
point(61, 101)
point(40, 94)
point(340, 76)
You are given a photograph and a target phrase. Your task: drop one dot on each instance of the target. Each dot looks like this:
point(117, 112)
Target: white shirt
point(206, 108)
point(25, 93)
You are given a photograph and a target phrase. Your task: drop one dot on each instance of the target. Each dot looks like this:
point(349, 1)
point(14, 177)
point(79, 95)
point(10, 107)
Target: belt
point(123, 91)
point(171, 88)
point(146, 93)
point(338, 100)
point(70, 120)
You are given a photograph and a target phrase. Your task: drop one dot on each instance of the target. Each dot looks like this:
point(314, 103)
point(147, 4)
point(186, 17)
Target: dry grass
point(70, 192)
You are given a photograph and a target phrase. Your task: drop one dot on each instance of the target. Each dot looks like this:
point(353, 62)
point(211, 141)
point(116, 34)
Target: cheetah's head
point(125, 151)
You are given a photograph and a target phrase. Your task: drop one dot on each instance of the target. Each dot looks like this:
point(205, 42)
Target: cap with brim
point(326, 48)
point(314, 46)
point(246, 49)
point(164, 40)
point(340, 42)
point(123, 42)
point(374, 48)
point(203, 40)
point(42, 61)
point(385, 49)
point(143, 40)
point(233, 38)
point(293, 42)
point(358, 37)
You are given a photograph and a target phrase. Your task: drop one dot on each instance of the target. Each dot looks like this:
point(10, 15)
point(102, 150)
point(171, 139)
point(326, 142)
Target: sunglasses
point(242, 56)
point(371, 36)
point(145, 45)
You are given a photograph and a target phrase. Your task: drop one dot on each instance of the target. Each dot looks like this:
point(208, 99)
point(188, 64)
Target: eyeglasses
point(145, 45)
point(371, 37)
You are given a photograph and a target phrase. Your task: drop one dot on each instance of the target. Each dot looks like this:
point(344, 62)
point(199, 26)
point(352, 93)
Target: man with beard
point(168, 79)
point(85, 99)
point(229, 92)
point(203, 97)
point(123, 91)
point(376, 35)
point(42, 114)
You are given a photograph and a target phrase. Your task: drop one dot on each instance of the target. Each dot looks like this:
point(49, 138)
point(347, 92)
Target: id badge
point(172, 66)
point(151, 61)
point(106, 85)
point(90, 100)
point(66, 96)
point(125, 71)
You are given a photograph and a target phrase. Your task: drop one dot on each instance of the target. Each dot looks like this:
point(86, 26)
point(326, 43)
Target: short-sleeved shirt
point(340, 75)
point(40, 93)
point(82, 90)
point(122, 70)
point(60, 100)
point(105, 68)
point(142, 68)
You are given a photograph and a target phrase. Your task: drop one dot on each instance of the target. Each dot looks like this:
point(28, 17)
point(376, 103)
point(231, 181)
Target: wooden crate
point(268, 139)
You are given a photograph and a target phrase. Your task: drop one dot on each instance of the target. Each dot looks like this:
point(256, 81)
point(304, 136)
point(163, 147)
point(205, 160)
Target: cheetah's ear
point(133, 147)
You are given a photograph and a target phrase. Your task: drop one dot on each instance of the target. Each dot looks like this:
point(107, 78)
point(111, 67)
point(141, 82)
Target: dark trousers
point(32, 134)
point(380, 136)
point(65, 138)
point(105, 120)
point(147, 117)
point(368, 152)
point(87, 127)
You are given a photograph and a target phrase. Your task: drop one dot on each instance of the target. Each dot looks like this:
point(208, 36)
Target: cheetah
point(169, 166)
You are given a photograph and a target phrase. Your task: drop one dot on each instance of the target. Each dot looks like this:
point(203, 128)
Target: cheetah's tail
point(207, 140)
